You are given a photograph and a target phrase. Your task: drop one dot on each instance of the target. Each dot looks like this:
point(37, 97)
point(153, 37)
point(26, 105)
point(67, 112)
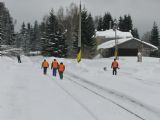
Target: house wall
point(134, 44)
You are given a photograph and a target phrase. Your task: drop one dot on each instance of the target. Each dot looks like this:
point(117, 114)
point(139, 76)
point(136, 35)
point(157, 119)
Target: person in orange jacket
point(115, 65)
point(54, 66)
point(61, 69)
point(45, 65)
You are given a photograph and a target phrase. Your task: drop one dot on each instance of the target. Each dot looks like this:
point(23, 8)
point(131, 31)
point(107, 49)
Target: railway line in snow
point(110, 95)
point(76, 100)
point(93, 92)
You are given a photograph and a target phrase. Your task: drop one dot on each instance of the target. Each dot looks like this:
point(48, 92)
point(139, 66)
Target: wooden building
point(126, 47)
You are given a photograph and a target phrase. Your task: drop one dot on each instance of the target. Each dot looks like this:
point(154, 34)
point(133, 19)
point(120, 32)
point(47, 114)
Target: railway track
point(104, 92)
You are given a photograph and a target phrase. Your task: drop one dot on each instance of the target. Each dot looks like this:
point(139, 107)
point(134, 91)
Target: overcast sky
point(143, 12)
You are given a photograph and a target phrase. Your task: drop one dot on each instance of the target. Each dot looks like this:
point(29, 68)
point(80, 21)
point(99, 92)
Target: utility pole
point(116, 41)
point(79, 37)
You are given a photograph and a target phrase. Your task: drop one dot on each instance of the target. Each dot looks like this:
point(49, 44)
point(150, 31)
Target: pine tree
point(50, 35)
point(24, 37)
point(44, 43)
point(135, 33)
point(129, 23)
point(106, 21)
point(52, 26)
point(29, 32)
point(36, 37)
point(155, 39)
point(125, 24)
point(155, 35)
point(121, 24)
point(1, 30)
point(90, 36)
point(100, 24)
point(62, 47)
point(84, 27)
point(6, 26)
point(88, 32)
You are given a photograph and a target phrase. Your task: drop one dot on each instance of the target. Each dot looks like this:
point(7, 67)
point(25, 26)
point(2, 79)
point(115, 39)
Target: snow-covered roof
point(111, 34)
point(111, 43)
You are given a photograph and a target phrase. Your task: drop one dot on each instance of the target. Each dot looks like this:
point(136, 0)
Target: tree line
point(57, 33)
point(6, 26)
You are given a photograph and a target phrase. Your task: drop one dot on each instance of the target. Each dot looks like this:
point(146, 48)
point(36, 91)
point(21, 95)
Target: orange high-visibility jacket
point(54, 64)
point(114, 64)
point(61, 68)
point(45, 64)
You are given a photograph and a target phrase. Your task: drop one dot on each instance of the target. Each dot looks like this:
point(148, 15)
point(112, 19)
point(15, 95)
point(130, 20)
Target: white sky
point(143, 12)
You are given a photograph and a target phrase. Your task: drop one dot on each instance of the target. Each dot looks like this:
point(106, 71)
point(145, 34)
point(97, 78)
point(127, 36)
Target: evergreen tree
point(90, 36)
point(52, 23)
point(125, 24)
point(62, 47)
point(84, 27)
point(106, 21)
point(135, 33)
point(155, 35)
point(155, 39)
point(44, 39)
point(88, 32)
point(24, 38)
point(1, 31)
point(50, 36)
point(6, 26)
point(44, 43)
point(129, 23)
point(75, 41)
point(36, 37)
point(100, 24)
point(125, 21)
point(29, 32)
point(121, 24)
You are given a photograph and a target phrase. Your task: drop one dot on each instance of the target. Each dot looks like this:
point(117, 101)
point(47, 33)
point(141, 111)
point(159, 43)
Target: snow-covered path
point(27, 94)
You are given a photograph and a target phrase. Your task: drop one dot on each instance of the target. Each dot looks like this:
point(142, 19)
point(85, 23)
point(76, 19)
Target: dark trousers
point(45, 70)
point(19, 60)
point(61, 75)
point(114, 71)
point(54, 71)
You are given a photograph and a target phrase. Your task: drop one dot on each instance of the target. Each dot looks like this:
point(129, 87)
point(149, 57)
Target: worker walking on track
point(61, 69)
point(45, 65)
point(54, 66)
point(114, 66)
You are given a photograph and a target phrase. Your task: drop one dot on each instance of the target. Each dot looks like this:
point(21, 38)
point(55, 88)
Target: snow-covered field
point(87, 92)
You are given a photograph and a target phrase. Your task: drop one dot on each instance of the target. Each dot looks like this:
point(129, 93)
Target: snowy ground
point(87, 92)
